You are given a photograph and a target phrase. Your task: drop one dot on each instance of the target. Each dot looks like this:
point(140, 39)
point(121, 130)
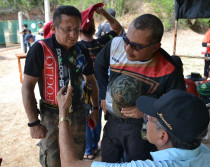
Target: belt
point(47, 106)
point(124, 120)
point(53, 108)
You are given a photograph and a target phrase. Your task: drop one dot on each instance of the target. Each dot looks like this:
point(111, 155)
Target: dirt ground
point(16, 146)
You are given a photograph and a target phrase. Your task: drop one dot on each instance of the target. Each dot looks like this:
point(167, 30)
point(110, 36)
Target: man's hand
point(38, 131)
point(64, 100)
point(132, 112)
point(94, 116)
point(100, 10)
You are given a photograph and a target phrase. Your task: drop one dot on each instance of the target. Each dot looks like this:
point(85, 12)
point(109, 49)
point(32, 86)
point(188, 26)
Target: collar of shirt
point(175, 154)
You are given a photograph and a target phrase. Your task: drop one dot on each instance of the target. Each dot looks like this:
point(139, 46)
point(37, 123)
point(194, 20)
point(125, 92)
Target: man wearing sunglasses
point(53, 63)
point(176, 124)
point(139, 55)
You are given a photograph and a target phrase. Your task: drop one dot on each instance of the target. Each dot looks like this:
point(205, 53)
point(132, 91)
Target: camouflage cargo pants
point(49, 146)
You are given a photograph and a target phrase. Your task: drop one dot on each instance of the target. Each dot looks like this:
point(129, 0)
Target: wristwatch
point(65, 119)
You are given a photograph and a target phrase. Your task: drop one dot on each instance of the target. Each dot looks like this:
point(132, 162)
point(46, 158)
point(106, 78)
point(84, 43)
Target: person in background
point(190, 84)
point(105, 27)
point(206, 43)
point(175, 131)
point(24, 29)
point(40, 31)
point(94, 46)
point(28, 39)
point(53, 63)
point(24, 32)
point(137, 54)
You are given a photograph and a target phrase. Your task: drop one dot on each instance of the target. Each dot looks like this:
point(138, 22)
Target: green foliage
point(164, 9)
point(80, 4)
point(205, 22)
point(120, 7)
point(23, 5)
point(27, 5)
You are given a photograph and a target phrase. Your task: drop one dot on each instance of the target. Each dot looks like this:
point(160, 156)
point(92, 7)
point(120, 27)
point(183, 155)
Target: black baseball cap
point(111, 12)
point(181, 113)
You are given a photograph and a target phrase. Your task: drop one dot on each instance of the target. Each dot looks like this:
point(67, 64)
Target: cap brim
point(145, 105)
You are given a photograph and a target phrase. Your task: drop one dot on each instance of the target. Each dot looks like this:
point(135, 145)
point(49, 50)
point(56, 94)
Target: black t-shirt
point(77, 59)
point(95, 46)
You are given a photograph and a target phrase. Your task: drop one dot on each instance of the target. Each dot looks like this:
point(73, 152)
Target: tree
point(22, 5)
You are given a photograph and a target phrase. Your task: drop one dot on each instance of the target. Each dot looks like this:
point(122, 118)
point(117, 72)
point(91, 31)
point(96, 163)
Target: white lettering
point(60, 65)
point(50, 82)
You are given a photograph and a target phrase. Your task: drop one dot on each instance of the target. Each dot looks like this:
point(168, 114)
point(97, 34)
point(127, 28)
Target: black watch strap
point(95, 108)
point(34, 123)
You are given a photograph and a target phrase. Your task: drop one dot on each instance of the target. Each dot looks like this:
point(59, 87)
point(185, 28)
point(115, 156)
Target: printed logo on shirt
point(116, 60)
point(60, 66)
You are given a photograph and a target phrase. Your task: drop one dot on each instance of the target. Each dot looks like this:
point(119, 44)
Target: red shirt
point(191, 87)
point(207, 40)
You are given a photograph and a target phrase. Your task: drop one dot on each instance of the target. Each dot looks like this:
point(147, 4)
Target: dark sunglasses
point(135, 46)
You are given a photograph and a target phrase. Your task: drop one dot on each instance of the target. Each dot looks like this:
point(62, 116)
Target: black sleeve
point(175, 81)
point(34, 61)
point(106, 37)
point(176, 78)
point(102, 64)
point(88, 70)
point(204, 44)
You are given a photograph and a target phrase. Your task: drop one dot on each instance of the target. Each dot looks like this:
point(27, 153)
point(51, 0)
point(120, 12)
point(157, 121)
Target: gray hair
point(177, 143)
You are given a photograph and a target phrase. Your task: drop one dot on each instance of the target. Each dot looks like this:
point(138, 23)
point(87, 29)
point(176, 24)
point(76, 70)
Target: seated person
point(176, 131)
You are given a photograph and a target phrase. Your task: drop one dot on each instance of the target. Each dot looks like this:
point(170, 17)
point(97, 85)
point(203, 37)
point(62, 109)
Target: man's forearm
point(68, 152)
point(115, 25)
point(94, 95)
point(90, 80)
point(30, 104)
point(28, 97)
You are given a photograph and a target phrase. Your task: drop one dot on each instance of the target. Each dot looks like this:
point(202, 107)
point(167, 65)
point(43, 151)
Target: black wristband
point(95, 108)
point(34, 123)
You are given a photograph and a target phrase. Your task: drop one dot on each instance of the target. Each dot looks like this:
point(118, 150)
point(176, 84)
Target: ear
point(156, 46)
point(163, 138)
point(53, 28)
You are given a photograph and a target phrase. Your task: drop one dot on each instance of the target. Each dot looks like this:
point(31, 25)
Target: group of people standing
point(60, 64)
point(28, 38)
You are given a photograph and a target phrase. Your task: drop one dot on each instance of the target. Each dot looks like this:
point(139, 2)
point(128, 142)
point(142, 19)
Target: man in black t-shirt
point(137, 54)
point(54, 63)
point(94, 46)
